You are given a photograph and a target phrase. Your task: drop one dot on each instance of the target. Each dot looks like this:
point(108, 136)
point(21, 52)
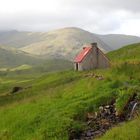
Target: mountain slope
point(116, 41)
point(13, 60)
point(10, 57)
point(18, 39)
point(65, 43)
point(127, 53)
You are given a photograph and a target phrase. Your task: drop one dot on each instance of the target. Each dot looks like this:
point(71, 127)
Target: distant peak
point(71, 28)
point(75, 28)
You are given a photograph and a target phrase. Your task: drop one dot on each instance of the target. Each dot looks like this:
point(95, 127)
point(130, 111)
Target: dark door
point(76, 66)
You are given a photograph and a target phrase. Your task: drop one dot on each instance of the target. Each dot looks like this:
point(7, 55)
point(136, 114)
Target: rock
point(89, 122)
point(107, 106)
point(91, 115)
point(116, 113)
point(99, 122)
point(16, 89)
point(98, 133)
point(107, 111)
point(105, 122)
point(103, 130)
point(101, 108)
point(89, 134)
point(100, 78)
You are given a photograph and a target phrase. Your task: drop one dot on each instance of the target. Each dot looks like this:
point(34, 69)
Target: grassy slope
point(45, 66)
point(56, 102)
point(127, 53)
point(12, 57)
point(14, 60)
point(125, 131)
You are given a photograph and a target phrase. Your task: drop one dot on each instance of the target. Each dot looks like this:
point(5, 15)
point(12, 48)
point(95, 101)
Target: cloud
point(98, 16)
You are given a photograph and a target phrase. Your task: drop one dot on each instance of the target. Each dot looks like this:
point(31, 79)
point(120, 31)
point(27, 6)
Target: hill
point(15, 61)
point(18, 39)
point(10, 57)
point(57, 105)
point(127, 53)
point(116, 41)
point(62, 43)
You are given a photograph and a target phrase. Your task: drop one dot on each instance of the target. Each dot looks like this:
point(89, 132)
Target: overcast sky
point(97, 16)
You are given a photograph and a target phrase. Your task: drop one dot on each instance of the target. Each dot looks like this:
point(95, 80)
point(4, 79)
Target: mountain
point(18, 39)
point(62, 43)
point(116, 41)
point(10, 57)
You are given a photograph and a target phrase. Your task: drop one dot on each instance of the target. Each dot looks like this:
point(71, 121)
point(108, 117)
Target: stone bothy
point(91, 57)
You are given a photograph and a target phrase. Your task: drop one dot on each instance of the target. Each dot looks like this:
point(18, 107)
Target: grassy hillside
point(13, 60)
point(46, 66)
point(127, 53)
point(10, 57)
point(49, 105)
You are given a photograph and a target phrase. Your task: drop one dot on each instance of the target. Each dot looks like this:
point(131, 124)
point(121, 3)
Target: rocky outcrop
point(106, 117)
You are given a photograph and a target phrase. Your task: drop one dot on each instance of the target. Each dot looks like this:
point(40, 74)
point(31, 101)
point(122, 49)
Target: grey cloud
point(98, 16)
point(130, 5)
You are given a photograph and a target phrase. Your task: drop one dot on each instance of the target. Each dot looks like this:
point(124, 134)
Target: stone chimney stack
point(94, 44)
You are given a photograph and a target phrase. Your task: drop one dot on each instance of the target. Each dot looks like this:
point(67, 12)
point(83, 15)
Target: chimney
point(94, 44)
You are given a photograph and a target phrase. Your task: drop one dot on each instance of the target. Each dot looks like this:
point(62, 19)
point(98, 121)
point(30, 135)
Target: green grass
point(124, 131)
point(46, 66)
point(128, 53)
point(52, 103)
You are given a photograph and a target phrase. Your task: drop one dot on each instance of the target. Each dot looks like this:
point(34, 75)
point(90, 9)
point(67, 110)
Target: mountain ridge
point(62, 43)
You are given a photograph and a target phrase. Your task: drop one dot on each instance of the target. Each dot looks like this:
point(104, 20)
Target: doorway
point(76, 66)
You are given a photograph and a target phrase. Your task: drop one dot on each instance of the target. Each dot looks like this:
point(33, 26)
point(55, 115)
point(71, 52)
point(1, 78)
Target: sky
point(96, 16)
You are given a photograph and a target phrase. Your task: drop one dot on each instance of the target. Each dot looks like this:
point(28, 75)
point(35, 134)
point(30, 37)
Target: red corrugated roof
point(82, 54)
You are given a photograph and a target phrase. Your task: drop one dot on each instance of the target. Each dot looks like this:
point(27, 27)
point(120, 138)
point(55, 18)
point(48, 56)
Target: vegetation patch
point(107, 116)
